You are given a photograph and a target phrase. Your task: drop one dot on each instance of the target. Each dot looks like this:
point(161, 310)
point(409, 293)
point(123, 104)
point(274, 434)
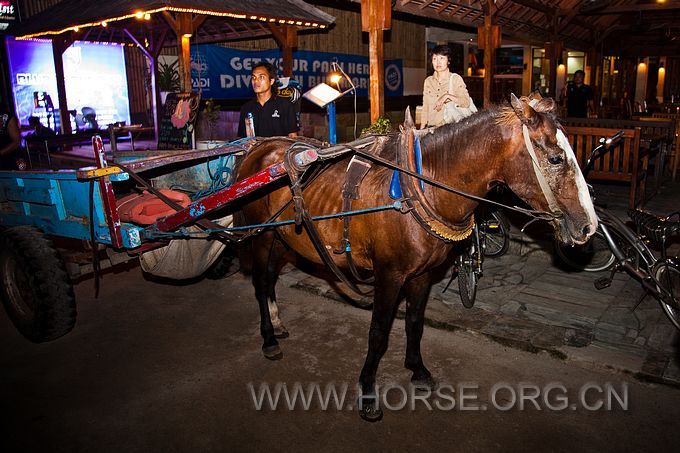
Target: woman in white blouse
point(441, 88)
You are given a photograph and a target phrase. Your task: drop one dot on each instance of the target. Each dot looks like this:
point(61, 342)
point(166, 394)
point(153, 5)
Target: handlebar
point(605, 145)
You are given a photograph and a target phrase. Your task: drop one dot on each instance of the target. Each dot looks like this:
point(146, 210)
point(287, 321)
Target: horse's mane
point(471, 135)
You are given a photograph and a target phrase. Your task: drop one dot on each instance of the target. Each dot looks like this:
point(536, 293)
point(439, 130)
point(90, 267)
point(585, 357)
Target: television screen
point(95, 81)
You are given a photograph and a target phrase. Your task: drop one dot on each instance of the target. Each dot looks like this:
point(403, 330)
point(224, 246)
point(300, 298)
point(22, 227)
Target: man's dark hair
point(442, 50)
point(33, 121)
point(579, 71)
point(269, 68)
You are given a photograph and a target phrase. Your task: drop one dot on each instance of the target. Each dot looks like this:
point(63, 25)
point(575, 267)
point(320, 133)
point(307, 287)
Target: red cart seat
point(146, 208)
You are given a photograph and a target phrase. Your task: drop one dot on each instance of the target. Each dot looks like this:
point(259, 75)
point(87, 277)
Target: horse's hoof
point(281, 333)
point(272, 352)
point(371, 414)
point(426, 382)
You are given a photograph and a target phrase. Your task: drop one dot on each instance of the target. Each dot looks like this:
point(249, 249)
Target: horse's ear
point(408, 120)
point(523, 110)
point(535, 95)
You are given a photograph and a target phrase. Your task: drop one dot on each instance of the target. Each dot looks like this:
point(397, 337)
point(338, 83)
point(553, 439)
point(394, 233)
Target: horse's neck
point(464, 162)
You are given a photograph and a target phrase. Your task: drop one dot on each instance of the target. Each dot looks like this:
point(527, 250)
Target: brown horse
point(484, 150)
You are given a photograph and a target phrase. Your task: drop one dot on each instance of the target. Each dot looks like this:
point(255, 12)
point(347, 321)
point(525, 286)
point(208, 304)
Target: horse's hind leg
point(274, 267)
point(385, 302)
point(417, 292)
point(261, 278)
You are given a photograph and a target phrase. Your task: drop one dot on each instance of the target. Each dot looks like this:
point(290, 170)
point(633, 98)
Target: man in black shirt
point(579, 97)
point(272, 116)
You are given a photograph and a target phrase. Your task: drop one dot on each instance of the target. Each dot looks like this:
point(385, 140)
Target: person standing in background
point(579, 97)
point(441, 88)
point(271, 116)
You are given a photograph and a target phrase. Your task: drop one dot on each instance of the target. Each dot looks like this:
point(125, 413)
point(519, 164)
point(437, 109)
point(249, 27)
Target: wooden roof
point(633, 27)
point(226, 20)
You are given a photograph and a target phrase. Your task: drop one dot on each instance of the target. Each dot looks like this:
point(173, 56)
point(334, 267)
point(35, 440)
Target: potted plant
point(211, 113)
point(168, 79)
point(382, 126)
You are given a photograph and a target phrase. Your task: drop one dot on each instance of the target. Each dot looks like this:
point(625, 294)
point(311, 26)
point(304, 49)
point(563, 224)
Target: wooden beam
point(376, 17)
point(59, 45)
point(566, 20)
point(491, 39)
point(286, 38)
point(671, 5)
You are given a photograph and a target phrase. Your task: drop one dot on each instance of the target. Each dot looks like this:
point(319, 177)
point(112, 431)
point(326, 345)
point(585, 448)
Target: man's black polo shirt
point(577, 100)
point(276, 117)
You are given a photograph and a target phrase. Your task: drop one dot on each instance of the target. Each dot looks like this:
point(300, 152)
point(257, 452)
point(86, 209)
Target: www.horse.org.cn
point(466, 396)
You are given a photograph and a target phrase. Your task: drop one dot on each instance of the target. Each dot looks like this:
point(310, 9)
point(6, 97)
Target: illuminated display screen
point(96, 84)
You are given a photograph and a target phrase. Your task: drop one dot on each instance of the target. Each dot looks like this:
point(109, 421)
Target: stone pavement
point(527, 300)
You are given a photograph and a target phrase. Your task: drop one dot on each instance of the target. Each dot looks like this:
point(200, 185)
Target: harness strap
point(545, 187)
point(302, 214)
point(357, 170)
point(422, 210)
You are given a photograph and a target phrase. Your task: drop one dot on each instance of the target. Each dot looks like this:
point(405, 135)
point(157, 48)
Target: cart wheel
point(34, 286)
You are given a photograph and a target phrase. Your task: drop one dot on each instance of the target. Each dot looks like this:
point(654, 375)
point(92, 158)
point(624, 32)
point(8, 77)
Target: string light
point(147, 16)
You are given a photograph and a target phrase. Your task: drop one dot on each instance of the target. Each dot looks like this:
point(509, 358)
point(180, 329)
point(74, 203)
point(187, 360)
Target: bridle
point(542, 182)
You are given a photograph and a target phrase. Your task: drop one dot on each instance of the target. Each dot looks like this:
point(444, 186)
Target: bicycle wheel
point(668, 277)
point(495, 234)
point(593, 256)
point(467, 272)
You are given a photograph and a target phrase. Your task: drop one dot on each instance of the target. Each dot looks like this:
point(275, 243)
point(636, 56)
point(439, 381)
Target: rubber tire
point(660, 270)
point(579, 257)
point(499, 235)
point(34, 285)
point(467, 278)
point(222, 267)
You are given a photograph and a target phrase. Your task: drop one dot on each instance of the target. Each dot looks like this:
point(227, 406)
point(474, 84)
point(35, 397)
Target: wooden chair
point(673, 153)
point(621, 164)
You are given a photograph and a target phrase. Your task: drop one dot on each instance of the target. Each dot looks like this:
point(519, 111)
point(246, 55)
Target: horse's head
point(545, 172)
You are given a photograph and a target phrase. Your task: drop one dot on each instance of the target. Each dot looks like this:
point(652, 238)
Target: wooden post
point(59, 46)
point(183, 26)
point(376, 16)
point(151, 52)
point(489, 38)
point(554, 50)
point(286, 38)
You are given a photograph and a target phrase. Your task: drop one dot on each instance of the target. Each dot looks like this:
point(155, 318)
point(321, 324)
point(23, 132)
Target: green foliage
point(382, 126)
point(168, 77)
point(211, 113)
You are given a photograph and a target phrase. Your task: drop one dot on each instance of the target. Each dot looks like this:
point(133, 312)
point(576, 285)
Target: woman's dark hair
point(442, 50)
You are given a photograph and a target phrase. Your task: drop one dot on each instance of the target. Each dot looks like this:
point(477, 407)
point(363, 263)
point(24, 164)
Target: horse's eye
point(556, 159)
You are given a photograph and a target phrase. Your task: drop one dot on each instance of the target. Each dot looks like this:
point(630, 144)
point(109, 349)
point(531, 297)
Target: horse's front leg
point(274, 266)
point(385, 302)
point(417, 292)
point(262, 246)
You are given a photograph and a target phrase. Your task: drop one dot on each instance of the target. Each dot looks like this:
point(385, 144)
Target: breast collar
point(421, 209)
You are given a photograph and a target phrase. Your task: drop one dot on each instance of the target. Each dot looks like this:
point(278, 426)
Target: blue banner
point(223, 73)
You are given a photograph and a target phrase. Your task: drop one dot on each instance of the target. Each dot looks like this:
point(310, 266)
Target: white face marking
point(583, 194)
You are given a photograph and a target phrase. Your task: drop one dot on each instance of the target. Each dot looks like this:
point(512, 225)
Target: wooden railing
point(623, 163)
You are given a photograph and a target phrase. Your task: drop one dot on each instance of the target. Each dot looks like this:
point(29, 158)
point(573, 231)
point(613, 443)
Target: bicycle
point(617, 247)
point(490, 238)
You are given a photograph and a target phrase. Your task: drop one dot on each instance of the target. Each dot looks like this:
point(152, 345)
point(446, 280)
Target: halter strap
point(545, 187)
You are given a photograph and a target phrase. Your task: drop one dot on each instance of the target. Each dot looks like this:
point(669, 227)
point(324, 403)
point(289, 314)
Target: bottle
point(250, 125)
